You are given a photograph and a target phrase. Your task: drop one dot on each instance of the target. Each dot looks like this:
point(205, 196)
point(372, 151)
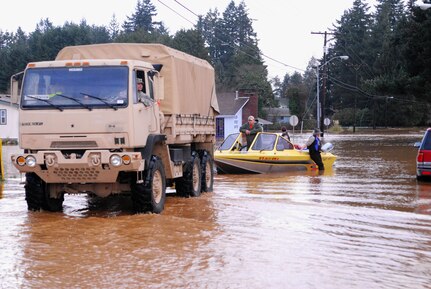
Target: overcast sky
point(283, 27)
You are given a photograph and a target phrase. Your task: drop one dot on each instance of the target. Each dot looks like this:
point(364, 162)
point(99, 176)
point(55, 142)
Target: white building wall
point(10, 128)
point(232, 124)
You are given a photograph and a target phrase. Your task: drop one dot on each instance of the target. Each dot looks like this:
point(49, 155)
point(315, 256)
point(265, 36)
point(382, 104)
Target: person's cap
point(316, 131)
point(251, 117)
point(139, 80)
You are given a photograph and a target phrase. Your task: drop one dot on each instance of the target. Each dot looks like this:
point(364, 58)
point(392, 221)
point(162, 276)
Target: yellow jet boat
point(269, 152)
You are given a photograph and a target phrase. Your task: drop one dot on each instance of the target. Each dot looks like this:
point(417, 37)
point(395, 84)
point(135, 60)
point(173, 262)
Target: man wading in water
point(314, 145)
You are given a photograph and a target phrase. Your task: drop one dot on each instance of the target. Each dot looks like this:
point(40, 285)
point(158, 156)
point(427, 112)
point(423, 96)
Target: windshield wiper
point(47, 101)
point(75, 100)
point(101, 99)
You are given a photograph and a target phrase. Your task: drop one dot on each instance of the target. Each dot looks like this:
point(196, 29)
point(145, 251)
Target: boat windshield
point(283, 144)
point(75, 87)
point(228, 142)
point(264, 142)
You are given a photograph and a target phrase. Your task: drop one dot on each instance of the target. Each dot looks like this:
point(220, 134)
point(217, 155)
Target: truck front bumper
point(94, 166)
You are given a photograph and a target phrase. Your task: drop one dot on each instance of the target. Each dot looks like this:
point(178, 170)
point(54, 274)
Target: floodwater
point(364, 224)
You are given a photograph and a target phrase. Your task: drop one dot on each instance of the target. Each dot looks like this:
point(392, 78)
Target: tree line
point(385, 81)
point(225, 39)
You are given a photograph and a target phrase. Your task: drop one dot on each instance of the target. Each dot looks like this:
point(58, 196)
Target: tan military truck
point(85, 128)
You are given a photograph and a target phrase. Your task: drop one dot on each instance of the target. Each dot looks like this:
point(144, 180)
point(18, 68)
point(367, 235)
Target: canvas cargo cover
point(189, 81)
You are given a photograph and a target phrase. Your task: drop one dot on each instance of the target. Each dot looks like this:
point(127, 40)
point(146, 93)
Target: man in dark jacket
point(250, 128)
point(314, 146)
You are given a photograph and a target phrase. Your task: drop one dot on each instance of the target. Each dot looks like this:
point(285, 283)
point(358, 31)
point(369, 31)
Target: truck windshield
point(75, 87)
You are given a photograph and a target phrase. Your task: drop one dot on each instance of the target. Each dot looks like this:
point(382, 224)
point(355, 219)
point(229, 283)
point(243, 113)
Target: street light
point(319, 109)
point(422, 5)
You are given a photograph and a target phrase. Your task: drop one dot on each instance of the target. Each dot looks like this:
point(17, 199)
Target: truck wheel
point(38, 197)
point(207, 165)
point(150, 196)
point(190, 183)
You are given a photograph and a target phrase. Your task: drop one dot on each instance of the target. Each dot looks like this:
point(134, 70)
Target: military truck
point(84, 129)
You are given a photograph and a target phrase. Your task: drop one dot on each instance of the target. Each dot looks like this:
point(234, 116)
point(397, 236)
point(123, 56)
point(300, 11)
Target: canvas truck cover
point(188, 81)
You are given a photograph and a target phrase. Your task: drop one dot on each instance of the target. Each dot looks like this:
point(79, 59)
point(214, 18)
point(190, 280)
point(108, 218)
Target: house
point(8, 118)
point(281, 114)
point(230, 118)
point(278, 114)
point(235, 108)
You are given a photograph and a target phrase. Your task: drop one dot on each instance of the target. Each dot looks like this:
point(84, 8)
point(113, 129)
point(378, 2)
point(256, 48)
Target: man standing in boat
point(250, 128)
point(314, 145)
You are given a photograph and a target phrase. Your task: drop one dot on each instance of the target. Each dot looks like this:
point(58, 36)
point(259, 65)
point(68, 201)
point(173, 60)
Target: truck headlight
point(30, 161)
point(115, 160)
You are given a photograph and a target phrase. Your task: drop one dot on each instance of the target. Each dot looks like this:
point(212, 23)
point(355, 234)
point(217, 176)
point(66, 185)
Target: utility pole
point(356, 67)
point(324, 77)
point(374, 112)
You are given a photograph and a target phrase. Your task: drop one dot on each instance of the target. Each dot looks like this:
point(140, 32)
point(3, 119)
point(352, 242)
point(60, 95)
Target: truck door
point(145, 114)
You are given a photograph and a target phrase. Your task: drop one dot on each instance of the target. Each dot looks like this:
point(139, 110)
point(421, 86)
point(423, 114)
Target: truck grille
point(77, 174)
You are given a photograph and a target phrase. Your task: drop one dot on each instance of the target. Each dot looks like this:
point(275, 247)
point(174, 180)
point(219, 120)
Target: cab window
point(138, 74)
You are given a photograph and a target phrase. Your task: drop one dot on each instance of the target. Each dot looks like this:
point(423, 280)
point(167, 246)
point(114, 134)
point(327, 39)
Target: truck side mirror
point(14, 88)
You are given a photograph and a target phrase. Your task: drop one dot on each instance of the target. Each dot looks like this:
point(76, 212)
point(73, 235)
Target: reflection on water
point(364, 224)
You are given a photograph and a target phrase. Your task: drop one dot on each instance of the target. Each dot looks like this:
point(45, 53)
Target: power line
point(237, 46)
point(369, 95)
point(161, 2)
point(187, 8)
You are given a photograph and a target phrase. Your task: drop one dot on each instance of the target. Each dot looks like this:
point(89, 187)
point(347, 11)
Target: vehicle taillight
point(420, 157)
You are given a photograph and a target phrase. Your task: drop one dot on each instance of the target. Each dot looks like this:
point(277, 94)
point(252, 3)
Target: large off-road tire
point(207, 166)
point(38, 197)
point(150, 196)
point(190, 183)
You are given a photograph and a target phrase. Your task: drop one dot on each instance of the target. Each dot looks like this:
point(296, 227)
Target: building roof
point(277, 111)
point(263, 121)
point(229, 104)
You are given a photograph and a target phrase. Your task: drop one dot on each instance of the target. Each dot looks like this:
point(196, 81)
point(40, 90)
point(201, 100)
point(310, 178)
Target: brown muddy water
point(365, 224)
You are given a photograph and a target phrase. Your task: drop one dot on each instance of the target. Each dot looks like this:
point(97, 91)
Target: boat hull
point(269, 153)
point(260, 164)
point(236, 166)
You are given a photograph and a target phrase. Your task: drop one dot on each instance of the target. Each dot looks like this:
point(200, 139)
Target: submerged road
point(364, 224)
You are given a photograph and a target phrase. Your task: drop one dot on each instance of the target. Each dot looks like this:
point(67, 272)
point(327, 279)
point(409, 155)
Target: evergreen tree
point(209, 27)
point(277, 87)
point(191, 42)
point(113, 28)
point(297, 93)
point(389, 14)
point(352, 38)
point(416, 54)
point(15, 56)
point(391, 78)
point(142, 18)
point(234, 51)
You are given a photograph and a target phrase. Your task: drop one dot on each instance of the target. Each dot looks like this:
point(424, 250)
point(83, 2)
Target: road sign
point(326, 121)
point(293, 120)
